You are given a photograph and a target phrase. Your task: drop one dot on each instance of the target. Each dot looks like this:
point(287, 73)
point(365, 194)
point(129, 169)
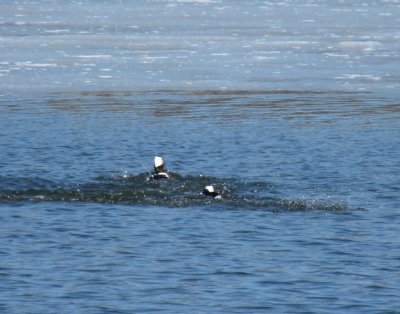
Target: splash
point(179, 191)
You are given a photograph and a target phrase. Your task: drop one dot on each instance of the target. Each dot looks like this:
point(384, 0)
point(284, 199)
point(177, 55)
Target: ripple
point(179, 191)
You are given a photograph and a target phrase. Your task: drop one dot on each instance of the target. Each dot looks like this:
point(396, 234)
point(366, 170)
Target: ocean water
point(289, 108)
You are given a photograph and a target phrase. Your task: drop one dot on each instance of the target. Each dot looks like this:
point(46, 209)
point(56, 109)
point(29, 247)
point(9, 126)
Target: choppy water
point(291, 109)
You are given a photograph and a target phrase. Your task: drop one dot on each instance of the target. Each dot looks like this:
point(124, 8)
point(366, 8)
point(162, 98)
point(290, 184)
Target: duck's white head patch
point(158, 161)
point(210, 188)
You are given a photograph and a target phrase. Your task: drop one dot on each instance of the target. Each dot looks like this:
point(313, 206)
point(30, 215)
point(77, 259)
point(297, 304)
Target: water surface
point(291, 109)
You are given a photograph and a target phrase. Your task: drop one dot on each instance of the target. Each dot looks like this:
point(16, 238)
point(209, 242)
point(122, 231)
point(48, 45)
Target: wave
point(178, 191)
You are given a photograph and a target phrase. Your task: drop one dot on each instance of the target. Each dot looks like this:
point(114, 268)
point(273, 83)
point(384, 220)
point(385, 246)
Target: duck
point(159, 170)
point(210, 191)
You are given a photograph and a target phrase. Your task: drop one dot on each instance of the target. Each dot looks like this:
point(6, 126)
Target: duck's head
point(210, 191)
point(158, 164)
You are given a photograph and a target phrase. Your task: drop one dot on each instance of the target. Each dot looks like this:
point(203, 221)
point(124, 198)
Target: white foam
point(337, 55)
point(36, 65)
point(43, 65)
point(58, 31)
point(359, 44)
point(155, 58)
point(358, 77)
point(194, 1)
point(261, 58)
point(100, 56)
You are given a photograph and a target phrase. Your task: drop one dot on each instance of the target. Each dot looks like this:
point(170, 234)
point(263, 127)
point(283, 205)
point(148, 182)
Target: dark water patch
point(320, 106)
point(217, 107)
point(179, 191)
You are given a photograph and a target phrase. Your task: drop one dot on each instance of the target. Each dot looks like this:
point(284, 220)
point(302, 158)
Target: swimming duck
point(159, 170)
point(210, 191)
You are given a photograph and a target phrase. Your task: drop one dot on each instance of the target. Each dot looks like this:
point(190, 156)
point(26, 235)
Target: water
point(291, 109)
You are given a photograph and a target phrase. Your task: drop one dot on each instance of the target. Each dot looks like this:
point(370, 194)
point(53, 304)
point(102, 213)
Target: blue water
point(290, 109)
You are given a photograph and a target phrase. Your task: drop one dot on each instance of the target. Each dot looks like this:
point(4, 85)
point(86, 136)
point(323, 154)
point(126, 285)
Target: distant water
point(290, 108)
point(167, 44)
